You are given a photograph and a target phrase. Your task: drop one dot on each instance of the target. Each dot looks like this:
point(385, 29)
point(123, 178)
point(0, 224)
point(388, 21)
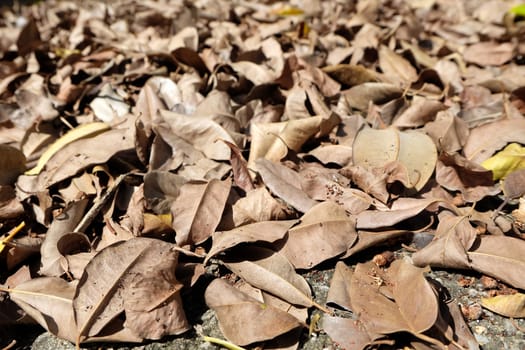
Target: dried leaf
point(134, 277)
point(12, 164)
point(198, 210)
point(396, 67)
point(272, 272)
point(80, 132)
point(485, 140)
point(260, 322)
point(506, 161)
point(507, 305)
point(267, 231)
point(284, 183)
point(489, 53)
point(325, 231)
point(416, 151)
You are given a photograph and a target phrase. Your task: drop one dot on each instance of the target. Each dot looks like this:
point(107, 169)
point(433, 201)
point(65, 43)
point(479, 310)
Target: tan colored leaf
point(454, 237)
point(339, 292)
point(272, 140)
point(241, 174)
point(48, 300)
point(489, 53)
point(134, 277)
point(500, 257)
point(64, 223)
point(284, 183)
point(267, 231)
point(368, 239)
point(507, 305)
point(259, 321)
point(402, 209)
point(420, 111)
point(414, 296)
point(258, 205)
point(396, 67)
point(198, 210)
point(271, 272)
point(325, 231)
point(80, 132)
point(200, 132)
point(360, 96)
point(82, 153)
point(348, 333)
point(448, 131)
point(485, 140)
point(416, 151)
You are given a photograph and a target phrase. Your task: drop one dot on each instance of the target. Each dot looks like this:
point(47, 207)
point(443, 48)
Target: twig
point(97, 207)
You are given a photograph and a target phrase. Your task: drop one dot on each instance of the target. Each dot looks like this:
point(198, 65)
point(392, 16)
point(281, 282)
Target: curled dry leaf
point(415, 151)
point(267, 231)
point(325, 231)
point(134, 277)
point(272, 272)
point(51, 257)
point(259, 322)
point(258, 205)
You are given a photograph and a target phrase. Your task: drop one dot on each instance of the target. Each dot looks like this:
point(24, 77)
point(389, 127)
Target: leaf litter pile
point(148, 145)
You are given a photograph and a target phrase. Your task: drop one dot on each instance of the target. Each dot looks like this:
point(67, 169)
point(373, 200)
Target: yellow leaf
point(11, 234)
point(518, 10)
point(506, 305)
point(504, 162)
point(289, 11)
point(80, 132)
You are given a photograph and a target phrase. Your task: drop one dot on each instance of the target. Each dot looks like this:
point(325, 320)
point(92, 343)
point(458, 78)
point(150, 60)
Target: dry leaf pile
point(144, 141)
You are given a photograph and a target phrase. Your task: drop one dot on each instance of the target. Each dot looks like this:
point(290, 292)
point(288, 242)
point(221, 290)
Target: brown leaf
point(500, 257)
point(348, 333)
point(489, 53)
point(401, 209)
point(198, 210)
point(134, 277)
point(284, 182)
point(271, 272)
point(161, 189)
point(267, 231)
point(259, 322)
point(453, 238)
point(368, 239)
point(325, 231)
point(10, 206)
point(258, 205)
point(241, 174)
point(359, 96)
point(339, 292)
point(350, 75)
point(420, 111)
point(12, 164)
point(485, 140)
point(51, 257)
point(395, 67)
